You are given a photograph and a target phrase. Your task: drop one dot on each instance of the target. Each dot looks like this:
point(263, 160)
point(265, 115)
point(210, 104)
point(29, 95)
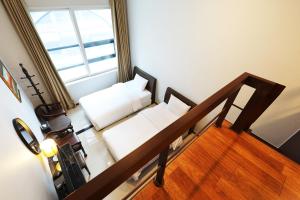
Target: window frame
point(71, 11)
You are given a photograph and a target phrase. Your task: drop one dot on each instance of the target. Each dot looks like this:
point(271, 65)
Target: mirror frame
point(17, 122)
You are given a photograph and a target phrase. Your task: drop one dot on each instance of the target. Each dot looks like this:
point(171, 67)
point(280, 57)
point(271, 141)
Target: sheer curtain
point(21, 20)
point(120, 24)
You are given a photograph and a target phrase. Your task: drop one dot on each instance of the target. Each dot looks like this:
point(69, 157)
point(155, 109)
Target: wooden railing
point(265, 93)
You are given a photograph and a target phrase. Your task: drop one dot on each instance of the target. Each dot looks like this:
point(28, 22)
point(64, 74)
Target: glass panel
point(103, 66)
point(94, 25)
point(56, 30)
point(96, 31)
point(75, 73)
point(66, 57)
point(59, 37)
point(103, 50)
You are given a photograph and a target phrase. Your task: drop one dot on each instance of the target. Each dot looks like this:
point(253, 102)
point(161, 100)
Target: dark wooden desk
point(71, 177)
point(70, 138)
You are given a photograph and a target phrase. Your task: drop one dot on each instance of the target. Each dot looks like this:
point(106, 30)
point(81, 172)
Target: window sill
point(91, 76)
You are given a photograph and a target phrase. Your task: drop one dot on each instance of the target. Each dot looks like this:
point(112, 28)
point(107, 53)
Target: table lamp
point(49, 148)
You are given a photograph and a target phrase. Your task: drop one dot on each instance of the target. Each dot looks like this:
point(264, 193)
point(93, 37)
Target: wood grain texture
point(221, 164)
point(111, 178)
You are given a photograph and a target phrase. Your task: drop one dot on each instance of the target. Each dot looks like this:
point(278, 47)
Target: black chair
point(54, 119)
point(46, 112)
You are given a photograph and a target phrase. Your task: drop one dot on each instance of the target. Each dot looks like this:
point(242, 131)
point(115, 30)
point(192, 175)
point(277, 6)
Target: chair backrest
point(40, 112)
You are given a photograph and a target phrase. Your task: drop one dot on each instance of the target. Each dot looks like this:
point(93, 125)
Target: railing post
point(257, 104)
point(226, 108)
point(162, 162)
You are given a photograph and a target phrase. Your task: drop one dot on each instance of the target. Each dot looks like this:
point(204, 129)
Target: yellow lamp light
point(49, 148)
point(58, 167)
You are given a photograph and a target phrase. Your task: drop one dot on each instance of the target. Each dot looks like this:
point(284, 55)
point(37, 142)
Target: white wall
point(198, 46)
point(12, 52)
point(23, 175)
point(89, 85)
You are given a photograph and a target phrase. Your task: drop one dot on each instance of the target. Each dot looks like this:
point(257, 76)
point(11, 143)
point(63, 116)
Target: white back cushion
point(139, 82)
point(177, 107)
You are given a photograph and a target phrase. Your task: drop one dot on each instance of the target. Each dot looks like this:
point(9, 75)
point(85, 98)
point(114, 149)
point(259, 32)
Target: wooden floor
point(223, 165)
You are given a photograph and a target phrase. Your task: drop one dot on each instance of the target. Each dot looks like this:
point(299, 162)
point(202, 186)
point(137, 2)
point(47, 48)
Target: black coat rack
point(33, 85)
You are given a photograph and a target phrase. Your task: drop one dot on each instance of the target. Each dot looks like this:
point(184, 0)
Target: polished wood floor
point(221, 164)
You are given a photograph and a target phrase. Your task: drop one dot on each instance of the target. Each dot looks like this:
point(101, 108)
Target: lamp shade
point(58, 167)
point(49, 148)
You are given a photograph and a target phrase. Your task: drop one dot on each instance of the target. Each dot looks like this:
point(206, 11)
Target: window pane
point(57, 32)
point(55, 28)
point(96, 51)
point(73, 73)
point(66, 57)
point(96, 31)
point(94, 25)
point(103, 66)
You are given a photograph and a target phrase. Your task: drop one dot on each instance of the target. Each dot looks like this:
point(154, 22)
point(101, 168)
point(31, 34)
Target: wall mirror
point(26, 135)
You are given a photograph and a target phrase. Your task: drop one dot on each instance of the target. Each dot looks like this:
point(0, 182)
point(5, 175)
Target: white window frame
point(72, 10)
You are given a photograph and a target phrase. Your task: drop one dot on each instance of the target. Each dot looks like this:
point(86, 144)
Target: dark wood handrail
point(266, 92)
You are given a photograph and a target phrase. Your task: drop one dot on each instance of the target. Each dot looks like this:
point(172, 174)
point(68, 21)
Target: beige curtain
point(119, 16)
point(37, 52)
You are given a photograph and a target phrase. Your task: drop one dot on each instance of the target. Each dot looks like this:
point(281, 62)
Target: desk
point(70, 138)
point(71, 177)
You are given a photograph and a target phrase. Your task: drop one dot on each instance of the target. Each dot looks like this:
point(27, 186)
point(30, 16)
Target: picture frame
point(9, 81)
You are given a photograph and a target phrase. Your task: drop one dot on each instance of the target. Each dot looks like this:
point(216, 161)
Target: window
point(79, 42)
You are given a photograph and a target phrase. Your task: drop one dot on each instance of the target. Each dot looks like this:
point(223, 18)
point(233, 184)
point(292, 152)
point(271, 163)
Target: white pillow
point(177, 107)
point(139, 82)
